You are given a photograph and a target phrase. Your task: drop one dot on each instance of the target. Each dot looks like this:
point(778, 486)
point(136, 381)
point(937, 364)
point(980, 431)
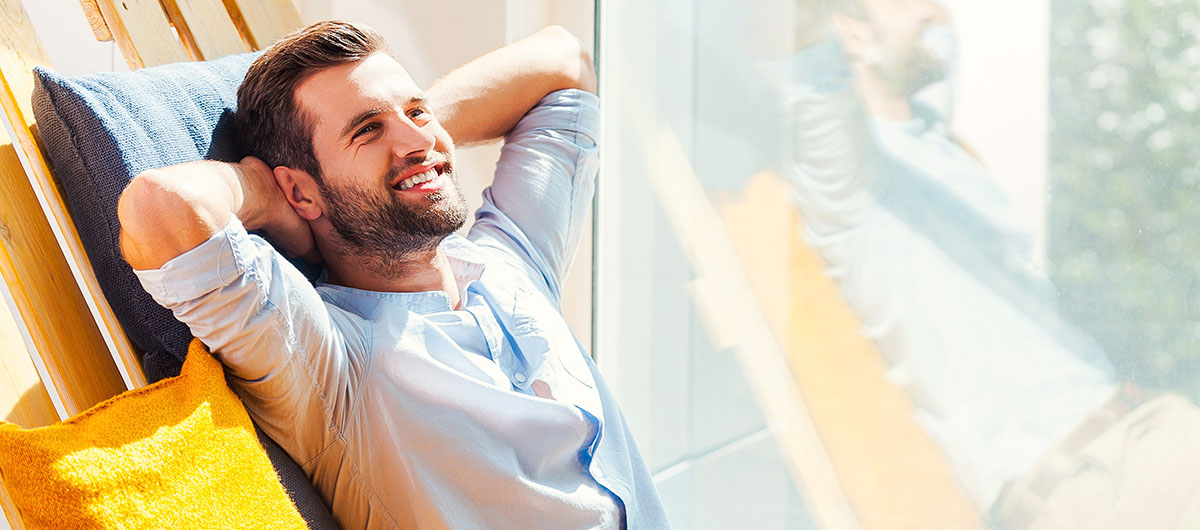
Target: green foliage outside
point(1124, 240)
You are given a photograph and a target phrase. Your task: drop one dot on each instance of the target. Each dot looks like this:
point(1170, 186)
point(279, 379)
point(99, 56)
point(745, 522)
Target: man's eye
point(369, 128)
point(417, 113)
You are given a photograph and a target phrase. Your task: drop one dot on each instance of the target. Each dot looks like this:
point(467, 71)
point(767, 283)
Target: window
point(872, 262)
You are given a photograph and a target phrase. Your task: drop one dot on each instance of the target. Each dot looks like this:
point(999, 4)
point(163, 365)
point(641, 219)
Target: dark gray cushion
point(100, 131)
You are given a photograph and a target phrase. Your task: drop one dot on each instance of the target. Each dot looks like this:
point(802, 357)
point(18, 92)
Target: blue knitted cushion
point(100, 131)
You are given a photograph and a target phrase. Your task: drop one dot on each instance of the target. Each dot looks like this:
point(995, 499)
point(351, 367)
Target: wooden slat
point(895, 475)
point(262, 22)
point(23, 398)
point(95, 19)
point(75, 356)
point(142, 32)
point(65, 276)
point(10, 510)
point(206, 28)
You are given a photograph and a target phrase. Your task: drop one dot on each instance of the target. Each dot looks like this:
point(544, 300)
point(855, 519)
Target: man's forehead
point(338, 92)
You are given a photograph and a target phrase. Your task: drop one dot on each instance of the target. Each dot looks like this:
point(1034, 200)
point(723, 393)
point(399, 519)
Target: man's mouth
point(422, 178)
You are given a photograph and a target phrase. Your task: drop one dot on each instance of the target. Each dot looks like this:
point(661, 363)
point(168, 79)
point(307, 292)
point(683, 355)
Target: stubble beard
point(907, 73)
point(385, 232)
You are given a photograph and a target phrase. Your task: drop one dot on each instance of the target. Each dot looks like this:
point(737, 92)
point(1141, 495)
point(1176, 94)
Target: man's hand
point(266, 208)
point(483, 99)
point(166, 212)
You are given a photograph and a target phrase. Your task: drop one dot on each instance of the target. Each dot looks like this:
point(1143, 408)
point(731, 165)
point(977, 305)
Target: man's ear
point(852, 32)
point(301, 191)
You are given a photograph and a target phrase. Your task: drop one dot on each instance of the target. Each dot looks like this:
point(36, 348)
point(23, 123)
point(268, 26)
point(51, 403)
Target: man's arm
point(483, 99)
point(166, 212)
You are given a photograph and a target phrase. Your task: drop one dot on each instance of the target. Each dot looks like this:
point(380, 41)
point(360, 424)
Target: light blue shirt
point(407, 413)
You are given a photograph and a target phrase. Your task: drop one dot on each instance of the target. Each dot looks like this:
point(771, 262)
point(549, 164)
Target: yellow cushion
point(180, 453)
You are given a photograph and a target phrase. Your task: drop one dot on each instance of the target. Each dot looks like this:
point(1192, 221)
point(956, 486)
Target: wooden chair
point(61, 348)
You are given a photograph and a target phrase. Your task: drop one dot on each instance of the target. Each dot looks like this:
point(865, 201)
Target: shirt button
point(520, 377)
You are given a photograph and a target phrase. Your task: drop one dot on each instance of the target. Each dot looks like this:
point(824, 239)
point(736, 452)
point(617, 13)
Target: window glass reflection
point(962, 231)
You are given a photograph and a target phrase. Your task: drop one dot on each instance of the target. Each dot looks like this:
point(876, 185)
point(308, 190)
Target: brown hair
point(270, 124)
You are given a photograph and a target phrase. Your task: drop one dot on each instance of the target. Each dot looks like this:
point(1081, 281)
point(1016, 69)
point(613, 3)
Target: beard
point(909, 72)
point(385, 231)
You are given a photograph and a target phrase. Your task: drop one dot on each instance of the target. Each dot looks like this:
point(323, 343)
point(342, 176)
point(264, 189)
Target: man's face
point(893, 48)
point(388, 184)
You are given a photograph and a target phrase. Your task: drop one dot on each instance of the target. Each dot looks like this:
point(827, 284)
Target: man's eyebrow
point(372, 112)
point(359, 119)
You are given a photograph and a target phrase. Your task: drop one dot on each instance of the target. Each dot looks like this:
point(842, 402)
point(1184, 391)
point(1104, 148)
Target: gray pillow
point(100, 131)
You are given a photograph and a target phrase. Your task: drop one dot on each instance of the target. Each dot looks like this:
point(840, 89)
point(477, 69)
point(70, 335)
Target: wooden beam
point(73, 353)
point(142, 32)
point(10, 509)
point(262, 22)
point(58, 286)
point(95, 19)
point(23, 397)
point(205, 27)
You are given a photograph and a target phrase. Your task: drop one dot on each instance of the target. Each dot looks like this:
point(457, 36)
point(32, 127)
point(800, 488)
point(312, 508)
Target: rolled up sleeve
point(538, 203)
point(267, 325)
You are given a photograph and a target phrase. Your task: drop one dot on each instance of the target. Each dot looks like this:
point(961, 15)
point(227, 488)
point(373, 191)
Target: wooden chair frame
point(63, 349)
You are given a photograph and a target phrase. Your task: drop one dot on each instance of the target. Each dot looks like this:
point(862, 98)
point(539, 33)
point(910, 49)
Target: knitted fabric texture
point(180, 453)
point(100, 130)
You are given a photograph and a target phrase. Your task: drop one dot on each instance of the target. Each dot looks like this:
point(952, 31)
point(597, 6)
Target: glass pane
point(904, 263)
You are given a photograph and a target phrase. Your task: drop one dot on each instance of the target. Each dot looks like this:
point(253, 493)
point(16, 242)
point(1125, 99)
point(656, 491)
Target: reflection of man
point(429, 380)
point(937, 264)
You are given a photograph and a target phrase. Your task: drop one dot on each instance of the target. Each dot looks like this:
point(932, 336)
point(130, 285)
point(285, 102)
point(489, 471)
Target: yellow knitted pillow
point(180, 453)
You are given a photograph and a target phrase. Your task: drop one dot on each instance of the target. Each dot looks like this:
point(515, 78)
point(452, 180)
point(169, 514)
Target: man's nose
point(412, 139)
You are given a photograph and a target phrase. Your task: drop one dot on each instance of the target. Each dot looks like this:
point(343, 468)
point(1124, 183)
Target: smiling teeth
point(409, 182)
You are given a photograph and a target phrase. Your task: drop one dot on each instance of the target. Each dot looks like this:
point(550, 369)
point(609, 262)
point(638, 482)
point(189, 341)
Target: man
point(428, 380)
point(937, 263)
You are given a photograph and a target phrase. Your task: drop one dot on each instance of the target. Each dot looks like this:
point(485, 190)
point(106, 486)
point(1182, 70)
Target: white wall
point(68, 39)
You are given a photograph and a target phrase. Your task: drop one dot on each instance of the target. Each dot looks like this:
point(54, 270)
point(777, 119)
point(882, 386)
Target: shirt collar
point(465, 263)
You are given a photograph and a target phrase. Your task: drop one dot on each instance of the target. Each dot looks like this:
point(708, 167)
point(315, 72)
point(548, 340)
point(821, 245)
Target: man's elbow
point(573, 57)
point(136, 215)
point(148, 211)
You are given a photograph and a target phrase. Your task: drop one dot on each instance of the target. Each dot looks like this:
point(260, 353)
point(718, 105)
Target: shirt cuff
point(209, 266)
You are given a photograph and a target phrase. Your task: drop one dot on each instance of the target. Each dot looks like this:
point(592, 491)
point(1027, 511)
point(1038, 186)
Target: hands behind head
point(266, 208)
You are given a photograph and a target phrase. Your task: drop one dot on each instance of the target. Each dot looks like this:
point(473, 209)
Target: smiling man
point(428, 380)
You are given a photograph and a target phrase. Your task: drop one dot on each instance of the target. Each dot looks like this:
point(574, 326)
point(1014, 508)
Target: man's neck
point(422, 271)
point(880, 101)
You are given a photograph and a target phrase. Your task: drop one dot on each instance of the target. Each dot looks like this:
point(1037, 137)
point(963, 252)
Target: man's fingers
point(295, 238)
point(282, 223)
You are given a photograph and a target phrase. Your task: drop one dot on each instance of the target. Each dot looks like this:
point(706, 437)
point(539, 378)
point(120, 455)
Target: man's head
point(352, 143)
point(884, 38)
